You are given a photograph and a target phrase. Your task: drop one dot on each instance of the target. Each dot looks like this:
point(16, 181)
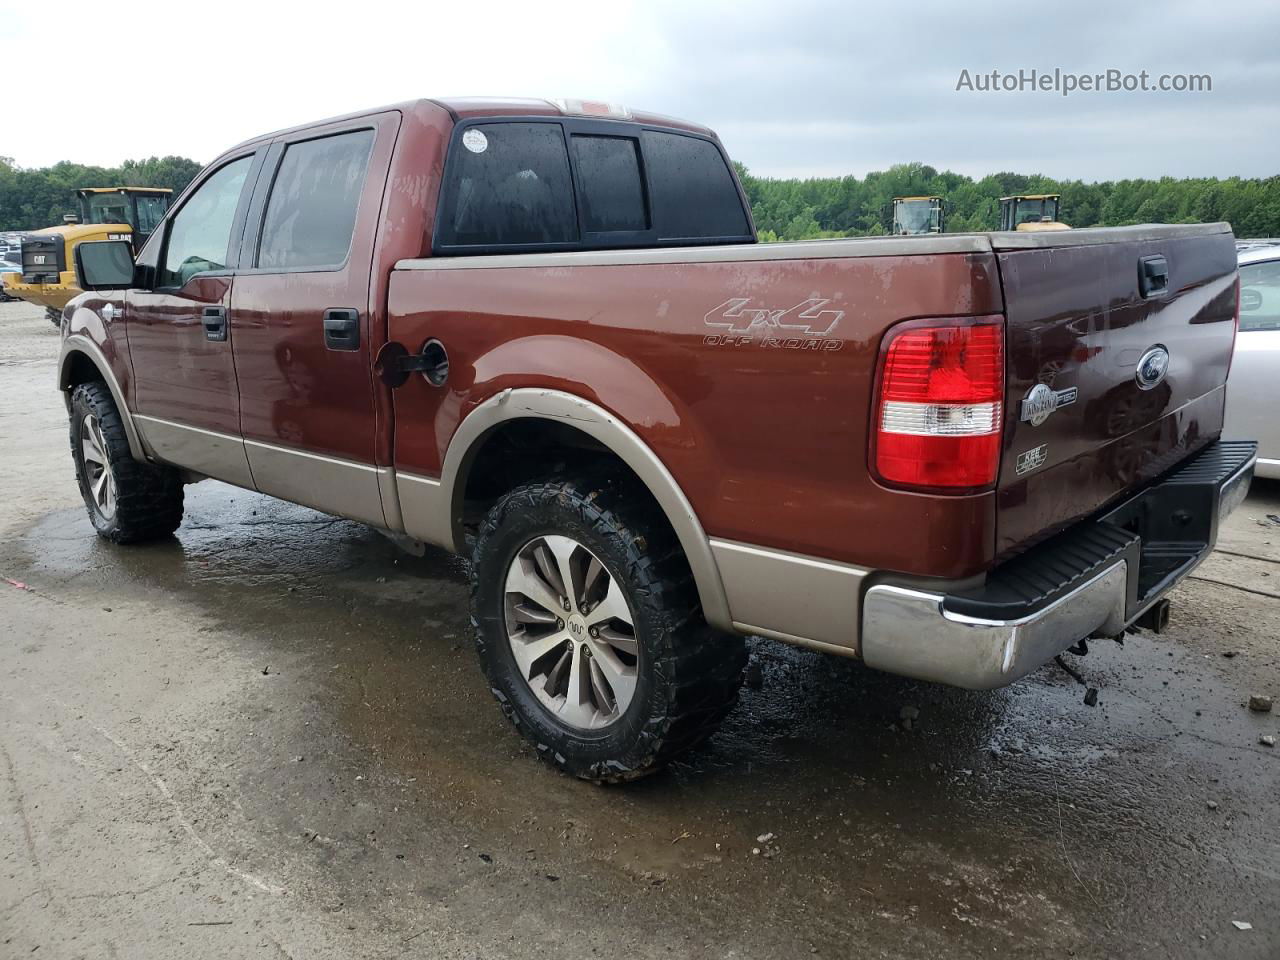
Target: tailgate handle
point(1153, 276)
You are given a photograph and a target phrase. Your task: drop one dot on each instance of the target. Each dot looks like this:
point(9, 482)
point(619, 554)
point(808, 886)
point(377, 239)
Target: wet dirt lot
point(268, 737)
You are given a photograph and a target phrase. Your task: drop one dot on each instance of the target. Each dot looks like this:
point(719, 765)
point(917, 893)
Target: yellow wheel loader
point(916, 215)
point(47, 276)
point(1035, 211)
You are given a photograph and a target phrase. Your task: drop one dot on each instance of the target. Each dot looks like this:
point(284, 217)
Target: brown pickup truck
point(543, 335)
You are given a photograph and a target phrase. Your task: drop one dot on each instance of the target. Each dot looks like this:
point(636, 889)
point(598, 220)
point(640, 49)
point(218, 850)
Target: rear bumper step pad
point(1160, 532)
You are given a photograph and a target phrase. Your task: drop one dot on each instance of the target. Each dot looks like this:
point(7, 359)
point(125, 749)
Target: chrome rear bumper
point(911, 633)
point(1140, 551)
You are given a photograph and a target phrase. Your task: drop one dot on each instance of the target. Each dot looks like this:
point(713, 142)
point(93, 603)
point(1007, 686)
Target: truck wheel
point(128, 501)
point(590, 632)
point(53, 315)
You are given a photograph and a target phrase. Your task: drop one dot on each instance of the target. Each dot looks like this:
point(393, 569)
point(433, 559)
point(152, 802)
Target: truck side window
point(508, 183)
point(694, 196)
point(311, 215)
point(200, 236)
point(612, 196)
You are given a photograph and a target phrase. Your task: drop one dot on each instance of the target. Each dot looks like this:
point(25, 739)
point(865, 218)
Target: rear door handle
point(342, 328)
point(215, 323)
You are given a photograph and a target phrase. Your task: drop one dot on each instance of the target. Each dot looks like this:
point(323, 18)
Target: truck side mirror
point(104, 265)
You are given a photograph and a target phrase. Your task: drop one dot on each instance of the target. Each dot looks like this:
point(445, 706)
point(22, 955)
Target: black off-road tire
point(148, 500)
point(688, 675)
point(53, 315)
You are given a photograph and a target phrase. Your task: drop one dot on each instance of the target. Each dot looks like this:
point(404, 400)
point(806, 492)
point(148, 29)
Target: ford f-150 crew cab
point(543, 335)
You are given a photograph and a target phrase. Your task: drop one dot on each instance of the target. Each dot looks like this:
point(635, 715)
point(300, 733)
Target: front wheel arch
point(80, 362)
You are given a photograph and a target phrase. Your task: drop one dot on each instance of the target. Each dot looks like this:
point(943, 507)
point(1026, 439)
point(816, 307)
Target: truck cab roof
point(471, 108)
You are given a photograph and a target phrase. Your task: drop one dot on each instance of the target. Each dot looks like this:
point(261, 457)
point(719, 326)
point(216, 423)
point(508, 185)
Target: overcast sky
point(794, 88)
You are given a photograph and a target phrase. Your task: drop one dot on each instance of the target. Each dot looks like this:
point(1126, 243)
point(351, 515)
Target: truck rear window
point(509, 184)
point(611, 191)
point(693, 191)
point(514, 186)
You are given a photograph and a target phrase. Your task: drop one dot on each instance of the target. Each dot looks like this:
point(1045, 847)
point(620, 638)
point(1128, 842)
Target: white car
point(1255, 369)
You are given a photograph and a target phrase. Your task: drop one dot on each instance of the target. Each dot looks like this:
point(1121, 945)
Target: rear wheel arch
point(603, 434)
point(80, 362)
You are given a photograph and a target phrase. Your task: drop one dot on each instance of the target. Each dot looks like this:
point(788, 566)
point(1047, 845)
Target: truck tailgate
point(1080, 319)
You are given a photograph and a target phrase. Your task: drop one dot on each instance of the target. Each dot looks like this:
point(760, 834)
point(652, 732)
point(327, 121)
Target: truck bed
point(750, 371)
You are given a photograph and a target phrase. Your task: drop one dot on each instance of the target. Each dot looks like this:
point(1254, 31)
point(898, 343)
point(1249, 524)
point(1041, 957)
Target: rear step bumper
point(1093, 579)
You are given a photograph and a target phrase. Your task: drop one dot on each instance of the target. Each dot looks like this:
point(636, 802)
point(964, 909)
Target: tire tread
point(698, 669)
point(149, 498)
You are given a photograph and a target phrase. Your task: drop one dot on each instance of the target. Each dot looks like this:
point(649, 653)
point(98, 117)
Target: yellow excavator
point(1034, 211)
point(47, 277)
point(917, 215)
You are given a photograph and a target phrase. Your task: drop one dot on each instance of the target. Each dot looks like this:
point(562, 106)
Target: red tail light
point(939, 407)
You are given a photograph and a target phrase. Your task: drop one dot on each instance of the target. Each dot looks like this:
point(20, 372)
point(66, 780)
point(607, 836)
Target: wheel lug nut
point(565, 603)
point(559, 624)
point(595, 632)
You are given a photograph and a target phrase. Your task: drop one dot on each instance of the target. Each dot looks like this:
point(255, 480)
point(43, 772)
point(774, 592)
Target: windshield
point(1033, 211)
point(151, 210)
point(1260, 296)
point(108, 208)
point(915, 216)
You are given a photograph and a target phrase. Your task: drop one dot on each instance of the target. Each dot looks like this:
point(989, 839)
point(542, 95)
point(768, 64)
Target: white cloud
point(802, 88)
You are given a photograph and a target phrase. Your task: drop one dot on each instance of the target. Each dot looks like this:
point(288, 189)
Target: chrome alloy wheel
point(571, 632)
point(97, 468)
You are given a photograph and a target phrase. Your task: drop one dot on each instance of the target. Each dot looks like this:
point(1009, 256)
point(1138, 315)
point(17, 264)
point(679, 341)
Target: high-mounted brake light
point(939, 409)
point(593, 108)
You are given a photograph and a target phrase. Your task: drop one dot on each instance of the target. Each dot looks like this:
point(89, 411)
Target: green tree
point(35, 198)
point(795, 209)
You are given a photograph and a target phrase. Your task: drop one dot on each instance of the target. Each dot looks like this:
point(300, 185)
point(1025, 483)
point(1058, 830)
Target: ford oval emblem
point(1153, 367)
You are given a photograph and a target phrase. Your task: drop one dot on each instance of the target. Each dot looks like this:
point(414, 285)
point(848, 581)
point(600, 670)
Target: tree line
point(820, 207)
point(35, 198)
point(791, 209)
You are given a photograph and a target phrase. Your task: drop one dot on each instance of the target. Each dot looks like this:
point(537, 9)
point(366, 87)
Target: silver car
point(1253, 390)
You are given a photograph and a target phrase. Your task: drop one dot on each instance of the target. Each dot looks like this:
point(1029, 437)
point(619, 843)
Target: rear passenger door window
point(611, 188)
point(311, 214)
point(693, 191)
point(508, 184)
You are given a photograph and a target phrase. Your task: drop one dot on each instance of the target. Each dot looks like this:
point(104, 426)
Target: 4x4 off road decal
point(806, 326)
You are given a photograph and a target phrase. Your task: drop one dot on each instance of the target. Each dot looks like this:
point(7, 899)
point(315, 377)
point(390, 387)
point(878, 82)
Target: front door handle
point(215, 323)
point(342, 328)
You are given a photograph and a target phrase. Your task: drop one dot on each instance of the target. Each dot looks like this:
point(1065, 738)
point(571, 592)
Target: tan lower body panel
point(213, 454)
point(424, 509)
point(791, 597)
point(341, 487)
